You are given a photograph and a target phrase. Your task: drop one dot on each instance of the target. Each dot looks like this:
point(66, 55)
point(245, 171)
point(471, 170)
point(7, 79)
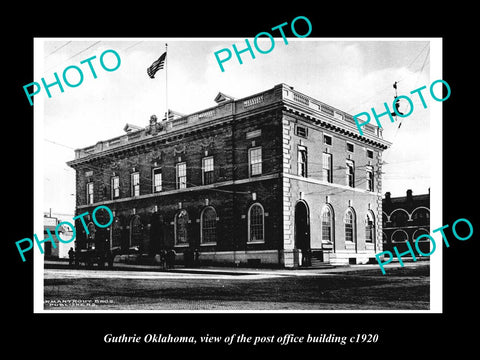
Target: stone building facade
point(260, 180)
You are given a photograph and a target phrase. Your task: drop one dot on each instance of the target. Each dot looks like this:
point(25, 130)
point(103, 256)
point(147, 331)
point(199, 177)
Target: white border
point(436, 183)
point(38, 179)
point(436, 201)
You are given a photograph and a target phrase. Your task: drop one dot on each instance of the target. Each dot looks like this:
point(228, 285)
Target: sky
point(351, 75)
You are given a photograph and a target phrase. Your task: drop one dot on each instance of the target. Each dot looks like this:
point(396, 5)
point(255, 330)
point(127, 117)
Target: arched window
point(419, 232)
point(327, 223)
point(349, 222)
point(181, 224)
point(399, 236)
point(91, 231)
point(399, 217)
point(384, 219)
point(421, 216)
point(256, 223)
point(208, 225)
point(370, 227)
point(136, 229)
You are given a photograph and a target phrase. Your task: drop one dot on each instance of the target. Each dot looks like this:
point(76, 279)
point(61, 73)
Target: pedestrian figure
point(109, 257)
point(163, 259)
point(71, 256)
point(188, 258)
point(171, 258)
point(197, 257)
point(309, 257)
point(306, 257)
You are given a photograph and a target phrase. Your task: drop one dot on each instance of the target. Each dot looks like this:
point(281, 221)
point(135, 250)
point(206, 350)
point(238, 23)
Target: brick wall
point(227, 133)
point(315, 192)
point(229, 147)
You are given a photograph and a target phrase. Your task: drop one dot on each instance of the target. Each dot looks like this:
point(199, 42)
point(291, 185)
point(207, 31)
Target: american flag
point(157, 65)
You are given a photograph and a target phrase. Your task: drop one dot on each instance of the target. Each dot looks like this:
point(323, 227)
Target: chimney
point(388, 200)
point(409, 194)
point(409, 197)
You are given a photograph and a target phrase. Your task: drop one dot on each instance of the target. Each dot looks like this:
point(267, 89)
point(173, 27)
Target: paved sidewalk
point(53, 264)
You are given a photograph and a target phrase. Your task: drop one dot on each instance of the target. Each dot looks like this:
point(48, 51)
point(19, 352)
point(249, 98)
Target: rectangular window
point(327, 167)
point(90, 193)
point(301, 131)
point(327, 140)
point(255, 161)
point(370, 154)
point(207, 170)
point(157, 180)
point(181, 176)
point(349, 147)
point(370, 178)
point(135, 181)
point(115, 187)
point(350, 173)
point(302, 161)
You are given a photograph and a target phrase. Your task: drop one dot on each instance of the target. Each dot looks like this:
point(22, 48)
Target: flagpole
point(166, 81)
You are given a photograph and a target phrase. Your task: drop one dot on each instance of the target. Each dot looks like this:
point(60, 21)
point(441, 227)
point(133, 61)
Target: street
point(360, 287)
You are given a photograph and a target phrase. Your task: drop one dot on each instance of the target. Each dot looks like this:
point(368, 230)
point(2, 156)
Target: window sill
point(182, 245)
point(349, 245)
point(209, 244)
point(256, 242)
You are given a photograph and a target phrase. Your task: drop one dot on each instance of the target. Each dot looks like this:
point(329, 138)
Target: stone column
point(289, 258)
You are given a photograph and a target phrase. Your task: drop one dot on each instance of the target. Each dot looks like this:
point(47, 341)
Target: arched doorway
point(156, 234)
point(302, 231)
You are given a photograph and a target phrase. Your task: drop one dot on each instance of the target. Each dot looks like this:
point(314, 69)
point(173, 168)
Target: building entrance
point(302, 232)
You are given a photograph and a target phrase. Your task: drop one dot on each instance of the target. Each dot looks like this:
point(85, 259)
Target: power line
point(131, 46)
point(56, 143)
point(57, 49)
point(388, 86)
point(81, 51)
point(77, 53)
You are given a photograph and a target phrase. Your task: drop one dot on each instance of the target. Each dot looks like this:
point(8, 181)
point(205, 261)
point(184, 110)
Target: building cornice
point(337, 127)
point(279, 97)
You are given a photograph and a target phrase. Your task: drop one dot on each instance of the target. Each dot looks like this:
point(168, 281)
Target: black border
point(405, 333)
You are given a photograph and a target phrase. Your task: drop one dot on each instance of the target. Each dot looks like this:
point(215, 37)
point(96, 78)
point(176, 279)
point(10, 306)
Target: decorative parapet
point(301, 98)
point(201, 115)
point(224, 109)
point(253, 101)
point(324, 109)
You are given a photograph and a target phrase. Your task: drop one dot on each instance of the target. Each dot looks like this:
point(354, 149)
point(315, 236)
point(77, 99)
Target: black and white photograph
point(291, 182)
point(231, 174)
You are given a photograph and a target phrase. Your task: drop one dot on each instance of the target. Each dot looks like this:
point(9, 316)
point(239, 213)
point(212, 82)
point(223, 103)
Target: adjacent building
point(265, 179)
point(50, 222)
point(404, 219)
